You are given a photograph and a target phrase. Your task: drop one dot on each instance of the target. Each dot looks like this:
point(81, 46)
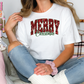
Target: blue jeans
point(25, 64)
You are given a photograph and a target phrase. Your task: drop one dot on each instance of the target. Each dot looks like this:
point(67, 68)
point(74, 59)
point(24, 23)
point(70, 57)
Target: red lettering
point(51, 29)
point(33, 27)
point(39, 25)
point(56, 25)
point(45, 25)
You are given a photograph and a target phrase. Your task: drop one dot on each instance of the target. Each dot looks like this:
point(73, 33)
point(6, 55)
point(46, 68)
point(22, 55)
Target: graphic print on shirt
point(44, 27)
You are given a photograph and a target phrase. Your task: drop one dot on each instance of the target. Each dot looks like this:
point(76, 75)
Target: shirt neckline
point(46, 12)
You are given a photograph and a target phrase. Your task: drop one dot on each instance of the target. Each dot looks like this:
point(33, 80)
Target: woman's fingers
point(39, 71)
point(15, 17)
point(39, 65)
point(12, 21)
point(42, 69)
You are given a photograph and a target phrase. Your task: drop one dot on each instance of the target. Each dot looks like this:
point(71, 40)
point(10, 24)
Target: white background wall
point(79, 7)
point(11, 6)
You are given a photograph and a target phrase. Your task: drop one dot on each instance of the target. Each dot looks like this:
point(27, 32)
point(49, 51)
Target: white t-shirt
point(45, 34)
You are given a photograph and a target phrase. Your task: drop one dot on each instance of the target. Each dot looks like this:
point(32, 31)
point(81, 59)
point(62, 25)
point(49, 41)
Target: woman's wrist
point(7, 29)
point(55, 70)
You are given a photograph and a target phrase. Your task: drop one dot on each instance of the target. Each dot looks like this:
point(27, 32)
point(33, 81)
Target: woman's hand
point(12, 21)
point(43, 69)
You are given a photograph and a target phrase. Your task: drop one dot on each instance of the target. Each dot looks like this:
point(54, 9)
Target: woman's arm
point(62, 58)
point(12, 21)
point(65, 55)
point(11, 36)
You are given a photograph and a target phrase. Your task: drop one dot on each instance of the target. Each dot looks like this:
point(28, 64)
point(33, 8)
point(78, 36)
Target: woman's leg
point(25, 64)
point(21, 59)
point(68, 64)
point(73, 73)
point(22, 77)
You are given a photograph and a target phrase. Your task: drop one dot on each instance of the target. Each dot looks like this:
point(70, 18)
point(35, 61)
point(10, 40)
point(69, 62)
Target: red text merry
point(44, 25)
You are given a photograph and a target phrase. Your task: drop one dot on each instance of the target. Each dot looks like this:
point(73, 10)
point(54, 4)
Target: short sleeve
point(69, 28)
point(21, 34)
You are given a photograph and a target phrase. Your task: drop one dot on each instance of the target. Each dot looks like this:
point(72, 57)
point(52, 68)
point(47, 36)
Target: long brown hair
point(29, 5)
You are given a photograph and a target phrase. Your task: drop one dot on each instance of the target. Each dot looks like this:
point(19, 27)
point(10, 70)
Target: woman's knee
point(13, 45)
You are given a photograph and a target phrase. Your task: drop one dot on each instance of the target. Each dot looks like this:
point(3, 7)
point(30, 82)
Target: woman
point(44, 43)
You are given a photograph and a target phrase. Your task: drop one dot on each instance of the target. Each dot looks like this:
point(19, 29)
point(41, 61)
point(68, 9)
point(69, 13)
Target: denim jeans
point(25, 64)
